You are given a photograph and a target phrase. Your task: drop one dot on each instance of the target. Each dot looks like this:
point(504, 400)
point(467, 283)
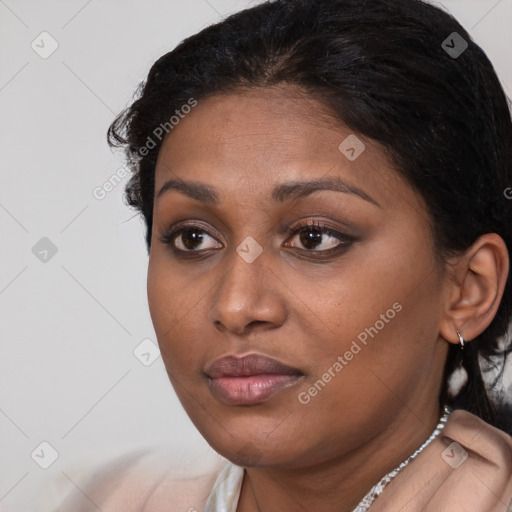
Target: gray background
point(69, 324)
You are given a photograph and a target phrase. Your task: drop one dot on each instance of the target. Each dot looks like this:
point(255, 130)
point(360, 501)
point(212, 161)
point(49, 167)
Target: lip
point(250, 379)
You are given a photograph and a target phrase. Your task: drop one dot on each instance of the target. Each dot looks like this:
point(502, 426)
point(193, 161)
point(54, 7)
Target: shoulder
point(488, 446)
point(467, 468)
point(479, 461)
point(144, 482)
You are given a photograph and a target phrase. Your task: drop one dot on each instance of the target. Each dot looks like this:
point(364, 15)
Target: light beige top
point(467, 468)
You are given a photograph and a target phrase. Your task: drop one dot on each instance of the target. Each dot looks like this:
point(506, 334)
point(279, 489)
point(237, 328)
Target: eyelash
point(345, 240)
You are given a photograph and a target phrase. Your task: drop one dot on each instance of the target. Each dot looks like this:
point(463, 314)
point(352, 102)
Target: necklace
point(377, 489)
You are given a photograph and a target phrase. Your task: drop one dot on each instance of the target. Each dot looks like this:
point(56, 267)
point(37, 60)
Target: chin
point(257, 450)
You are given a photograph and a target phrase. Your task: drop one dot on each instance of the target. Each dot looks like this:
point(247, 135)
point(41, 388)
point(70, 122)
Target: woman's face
point(315, 255)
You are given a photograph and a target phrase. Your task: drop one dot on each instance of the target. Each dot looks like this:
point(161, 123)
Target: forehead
point(255, 138)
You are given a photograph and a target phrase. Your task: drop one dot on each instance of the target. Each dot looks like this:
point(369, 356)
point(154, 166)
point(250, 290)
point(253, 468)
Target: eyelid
point(313, 222)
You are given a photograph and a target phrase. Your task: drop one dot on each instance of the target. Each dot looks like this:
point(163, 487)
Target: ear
point(474, 288)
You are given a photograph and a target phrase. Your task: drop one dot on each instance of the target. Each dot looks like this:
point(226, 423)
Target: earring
point(459, 377)
point(461, 340)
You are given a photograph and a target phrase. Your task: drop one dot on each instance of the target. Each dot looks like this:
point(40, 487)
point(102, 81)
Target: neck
point(339, 483)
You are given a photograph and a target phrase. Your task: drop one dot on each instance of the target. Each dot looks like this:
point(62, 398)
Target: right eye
point(190, 238)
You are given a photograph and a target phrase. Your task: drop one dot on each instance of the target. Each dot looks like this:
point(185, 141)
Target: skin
point(306, 311)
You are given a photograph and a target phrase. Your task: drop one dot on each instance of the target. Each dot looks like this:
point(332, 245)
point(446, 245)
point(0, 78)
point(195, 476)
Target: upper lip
point(252, 364)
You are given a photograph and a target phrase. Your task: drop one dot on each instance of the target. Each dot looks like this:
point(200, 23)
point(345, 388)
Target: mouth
point(250, 379)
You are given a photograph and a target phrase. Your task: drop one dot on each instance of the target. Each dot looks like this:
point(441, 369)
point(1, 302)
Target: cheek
point(161, 296)
point(170, 305)
point(172, 295)
point(361, 289)
point(178, 307)
point(381, 309)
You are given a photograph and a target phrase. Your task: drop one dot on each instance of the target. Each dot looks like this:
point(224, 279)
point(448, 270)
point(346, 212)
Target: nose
point(248, 297)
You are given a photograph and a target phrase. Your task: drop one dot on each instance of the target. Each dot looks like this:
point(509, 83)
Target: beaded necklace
point(377, 489)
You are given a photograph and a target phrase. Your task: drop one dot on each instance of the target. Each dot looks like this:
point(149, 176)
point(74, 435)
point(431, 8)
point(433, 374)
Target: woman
point(324, 188)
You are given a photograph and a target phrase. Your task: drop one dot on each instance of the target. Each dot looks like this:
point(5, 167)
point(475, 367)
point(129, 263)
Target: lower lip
point(251, 389)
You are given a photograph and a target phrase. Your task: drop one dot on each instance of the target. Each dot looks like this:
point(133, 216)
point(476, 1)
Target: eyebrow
point(292, 190)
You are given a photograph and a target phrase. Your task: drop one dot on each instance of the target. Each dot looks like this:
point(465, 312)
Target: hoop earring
point(459, 377)
point(461, 340)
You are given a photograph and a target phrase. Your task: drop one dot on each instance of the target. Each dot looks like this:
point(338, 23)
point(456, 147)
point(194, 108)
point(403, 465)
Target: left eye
point(319, 238)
